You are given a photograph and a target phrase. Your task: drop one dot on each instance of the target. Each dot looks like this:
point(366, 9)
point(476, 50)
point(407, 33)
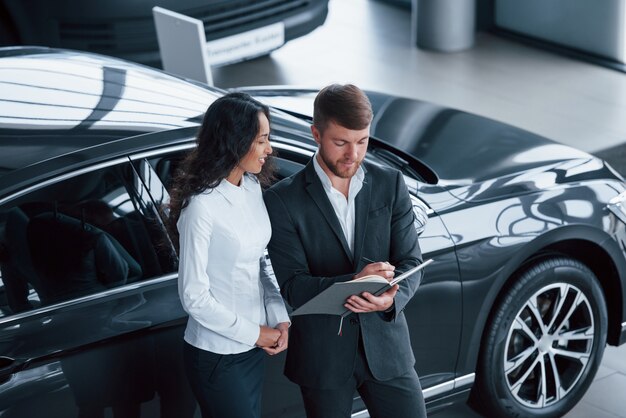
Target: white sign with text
point(246, 45)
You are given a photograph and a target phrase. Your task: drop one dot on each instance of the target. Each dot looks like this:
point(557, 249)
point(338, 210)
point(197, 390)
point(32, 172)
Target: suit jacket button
point(354, 321)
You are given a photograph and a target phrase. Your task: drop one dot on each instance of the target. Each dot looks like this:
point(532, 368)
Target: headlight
point(421, 212)
point(617, 205)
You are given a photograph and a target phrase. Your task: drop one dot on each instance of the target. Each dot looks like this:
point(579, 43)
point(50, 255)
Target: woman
point(234, 305)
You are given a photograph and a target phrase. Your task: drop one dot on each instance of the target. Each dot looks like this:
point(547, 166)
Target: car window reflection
point(78, 237)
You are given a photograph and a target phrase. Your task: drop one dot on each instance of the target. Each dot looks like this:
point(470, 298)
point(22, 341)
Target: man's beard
point(345, 173)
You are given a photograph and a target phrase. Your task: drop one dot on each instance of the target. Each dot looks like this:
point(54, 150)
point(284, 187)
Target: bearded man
point(338, 219)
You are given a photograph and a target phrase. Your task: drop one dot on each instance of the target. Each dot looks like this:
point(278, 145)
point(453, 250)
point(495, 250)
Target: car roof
point(55, 102)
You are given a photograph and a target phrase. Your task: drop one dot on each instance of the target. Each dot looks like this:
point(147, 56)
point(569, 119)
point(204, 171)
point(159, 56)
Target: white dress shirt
point(223, 287)
point(344, 207)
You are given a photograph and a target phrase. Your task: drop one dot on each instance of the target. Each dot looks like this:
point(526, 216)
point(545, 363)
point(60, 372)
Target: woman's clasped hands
point(274, 340)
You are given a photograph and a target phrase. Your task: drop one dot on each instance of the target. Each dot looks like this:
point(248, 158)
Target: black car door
point(90, 320)
point(434, 314)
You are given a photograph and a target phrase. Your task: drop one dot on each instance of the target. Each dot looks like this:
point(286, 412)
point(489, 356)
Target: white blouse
point(224, 283)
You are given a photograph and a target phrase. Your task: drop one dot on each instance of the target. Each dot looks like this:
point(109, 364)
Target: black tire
point(569, 326)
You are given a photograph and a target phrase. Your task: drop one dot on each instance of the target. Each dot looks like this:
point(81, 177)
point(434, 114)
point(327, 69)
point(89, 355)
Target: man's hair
point(346, 105)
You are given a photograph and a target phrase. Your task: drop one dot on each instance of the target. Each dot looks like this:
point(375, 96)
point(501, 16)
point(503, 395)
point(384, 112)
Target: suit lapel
point(361, 213)
point(318, 194)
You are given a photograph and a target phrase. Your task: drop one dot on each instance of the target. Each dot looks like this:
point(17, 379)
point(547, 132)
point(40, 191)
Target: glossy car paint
point(63, 112)
point(523, 194)
point(126, 29)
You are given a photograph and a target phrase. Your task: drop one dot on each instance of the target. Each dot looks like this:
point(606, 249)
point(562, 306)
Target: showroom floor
point(576, 103)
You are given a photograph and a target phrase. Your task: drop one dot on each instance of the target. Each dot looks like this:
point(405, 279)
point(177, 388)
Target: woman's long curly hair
point(229, 127)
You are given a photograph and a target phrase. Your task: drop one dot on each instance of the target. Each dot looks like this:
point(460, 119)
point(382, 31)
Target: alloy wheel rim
point(549, 345)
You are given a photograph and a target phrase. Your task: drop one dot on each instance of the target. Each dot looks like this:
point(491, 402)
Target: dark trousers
point(400, 397)
point(226, 385)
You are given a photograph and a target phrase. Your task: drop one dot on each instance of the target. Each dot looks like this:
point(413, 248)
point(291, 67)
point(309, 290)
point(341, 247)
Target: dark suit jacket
point(309, 253)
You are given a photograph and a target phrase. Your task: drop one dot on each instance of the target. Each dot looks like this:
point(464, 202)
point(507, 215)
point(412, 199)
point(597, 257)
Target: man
point(336, 220)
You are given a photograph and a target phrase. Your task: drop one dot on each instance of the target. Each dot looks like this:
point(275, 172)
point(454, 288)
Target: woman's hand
point(268, 337)
point(282, 342)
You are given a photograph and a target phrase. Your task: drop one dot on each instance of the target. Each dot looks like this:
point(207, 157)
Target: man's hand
point(381, 268)
point(367, 302)
point(282, 342)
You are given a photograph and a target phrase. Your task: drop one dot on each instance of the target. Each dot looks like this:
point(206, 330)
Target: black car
point(528, 238)
point(126, 29)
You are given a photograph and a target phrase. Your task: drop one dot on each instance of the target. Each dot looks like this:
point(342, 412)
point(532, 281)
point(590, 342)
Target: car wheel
point(544, 342)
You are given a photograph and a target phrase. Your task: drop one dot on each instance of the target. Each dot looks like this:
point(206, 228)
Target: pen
point(369, 260)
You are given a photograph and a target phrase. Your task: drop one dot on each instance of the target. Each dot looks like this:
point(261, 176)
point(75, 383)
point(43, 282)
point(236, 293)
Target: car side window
point(77, 237)
point(165, 166)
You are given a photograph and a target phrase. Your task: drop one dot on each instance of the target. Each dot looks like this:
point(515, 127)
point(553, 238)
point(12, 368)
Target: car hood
point(54, 102)
point(473, 156)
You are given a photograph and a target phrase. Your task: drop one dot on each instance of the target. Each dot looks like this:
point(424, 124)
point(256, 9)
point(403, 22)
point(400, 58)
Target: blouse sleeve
point(274, 303)
point(194, 284)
